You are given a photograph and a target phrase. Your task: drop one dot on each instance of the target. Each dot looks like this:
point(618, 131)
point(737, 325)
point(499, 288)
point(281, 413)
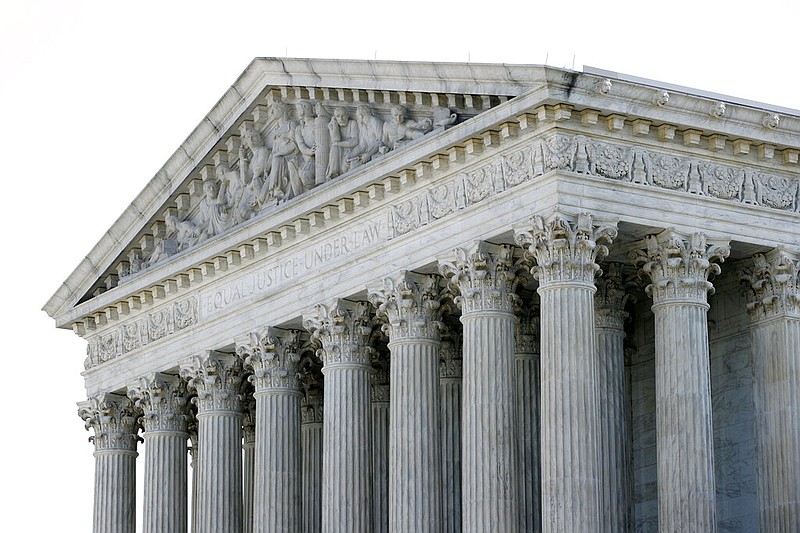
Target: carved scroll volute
point(163, 399)
point(772, 284)
point(679, 265)
point(343, 328)
point(217, 378)
point(273, 356)
point(410, 304)
point(484, 274)
point(114, 420)
point(565, 249)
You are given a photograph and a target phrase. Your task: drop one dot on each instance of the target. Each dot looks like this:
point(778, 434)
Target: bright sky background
point(96, 95)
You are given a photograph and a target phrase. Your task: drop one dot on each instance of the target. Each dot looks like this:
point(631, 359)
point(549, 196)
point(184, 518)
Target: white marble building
point(410, 297)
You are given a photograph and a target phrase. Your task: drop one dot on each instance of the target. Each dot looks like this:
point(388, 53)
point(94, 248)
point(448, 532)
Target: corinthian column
point(450, 357)
point(774, 307)
point(527, 360)
point(217, 379)
point(565, 251)
point(311, 412)
point(410, 304)
point(380, 445)
point(343, 327)
point(485, 276)
point(273, 357)
point(615, 484)
point(679, 267)
point(248, 459)
point(115, 425)
point(163, 400)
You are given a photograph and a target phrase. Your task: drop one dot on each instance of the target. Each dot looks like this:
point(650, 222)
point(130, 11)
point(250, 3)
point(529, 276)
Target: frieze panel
point(142, 331)
point(583, 155)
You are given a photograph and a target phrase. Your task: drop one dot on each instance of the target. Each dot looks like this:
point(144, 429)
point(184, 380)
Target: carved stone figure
point(400, 129)
point(212, 217)
point(284, 150)
point(322, 138)
point(240, 193)
point(370, 134)
point(442, 117)
point(256, 168)
point(303, 168)
point(344, 138)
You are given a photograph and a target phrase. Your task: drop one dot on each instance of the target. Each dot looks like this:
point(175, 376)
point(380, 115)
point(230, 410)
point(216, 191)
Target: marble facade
point(404, 297)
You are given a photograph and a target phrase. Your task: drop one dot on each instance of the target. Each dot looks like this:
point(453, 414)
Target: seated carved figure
point(240, 195)
point(344, 137)
point(258, 165)
point(212, 217)
point(284, 150)
point(400, 130)
point(370, 134)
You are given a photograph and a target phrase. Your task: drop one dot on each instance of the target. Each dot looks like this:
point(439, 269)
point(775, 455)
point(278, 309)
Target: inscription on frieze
point(278, 273)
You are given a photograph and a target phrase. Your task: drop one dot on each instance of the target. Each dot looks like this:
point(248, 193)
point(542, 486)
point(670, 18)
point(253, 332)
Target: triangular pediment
point(286, 127)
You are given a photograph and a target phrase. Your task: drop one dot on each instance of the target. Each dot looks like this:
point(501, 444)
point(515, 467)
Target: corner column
point(344, 328)
point(115, 424)
point(410, 304)
point(163, 400)
point(217, 378)
point(615, 483)
point(565, 250)
point(485, 276)
point(272, 355)
point(679, 267)
point(773, 285)
point(528, 388)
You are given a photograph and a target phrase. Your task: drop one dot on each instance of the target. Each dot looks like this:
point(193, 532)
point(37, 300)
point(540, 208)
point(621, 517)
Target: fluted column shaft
point(569, 409)
point(485, 276)
point(774, 307)
point(566, 249)
point(248, 462)
point(450, 396)
point(528, 387)
point(217, 379)
point(273, 356)
point(614, 473)
point(679, 267)
point(380, 448)
point(347, 481)
point(311, 442)
point(114, 421)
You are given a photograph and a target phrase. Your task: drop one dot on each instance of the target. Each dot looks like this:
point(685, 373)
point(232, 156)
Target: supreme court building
point(375, 296)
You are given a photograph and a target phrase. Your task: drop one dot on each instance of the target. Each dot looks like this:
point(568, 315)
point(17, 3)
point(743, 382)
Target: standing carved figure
point(370, 133)
point(240, 196)
point(302, 169)
point(284, 150)
point(212, 217)
point(344, 137)
point(255, 168)
point(322, 138)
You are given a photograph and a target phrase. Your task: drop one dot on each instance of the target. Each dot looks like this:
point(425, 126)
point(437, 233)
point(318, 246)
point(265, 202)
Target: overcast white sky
point(95, 96)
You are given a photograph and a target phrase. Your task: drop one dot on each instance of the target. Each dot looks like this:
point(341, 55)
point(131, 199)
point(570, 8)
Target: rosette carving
point(343, 327)
point(163, 399)
point(114, 420)
point(679, 266)
point(273, 356)
point(484, 274)
point(410, 304)
point(772, 285)
point(610, 298)
point(565, 249)
point(217, 379)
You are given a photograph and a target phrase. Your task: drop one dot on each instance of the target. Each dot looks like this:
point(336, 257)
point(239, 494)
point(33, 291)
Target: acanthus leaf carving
point(410, 304)
point(565, 249)
point(611, 297)
point(217, 379)
point(163, 400)
point(114, 420)
point(679, 265)
point(451, 353)
point(273, 355)
point(772, 285)
point(343, 328)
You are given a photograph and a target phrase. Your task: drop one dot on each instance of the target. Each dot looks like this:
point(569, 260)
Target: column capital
point(343, 327)
point(164, 401)
point(526, 332)
point(450, 354)
point(217, 378)
point(249, 420)
point(312, 402)
point(485, 275)
point(114, 419)
point(410, 303)
point(274, 357)
point(610, 298)
point(379, 391)
point(565, 248)
point(772, 285)
point(679, 265)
